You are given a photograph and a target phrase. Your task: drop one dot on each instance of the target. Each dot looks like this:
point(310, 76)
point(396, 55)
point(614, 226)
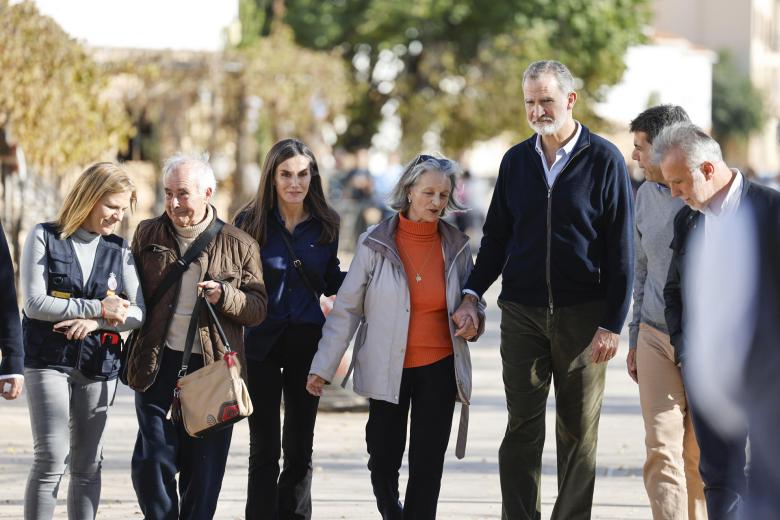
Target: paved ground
point(342, 489)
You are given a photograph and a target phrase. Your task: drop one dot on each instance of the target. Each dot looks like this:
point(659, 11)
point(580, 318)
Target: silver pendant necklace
point(417, 276)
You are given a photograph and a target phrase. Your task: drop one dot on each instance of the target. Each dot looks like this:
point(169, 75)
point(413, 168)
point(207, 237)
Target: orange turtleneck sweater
point(429, 337)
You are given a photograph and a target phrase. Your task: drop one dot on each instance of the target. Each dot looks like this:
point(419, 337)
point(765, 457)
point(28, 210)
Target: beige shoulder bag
point(214, 396)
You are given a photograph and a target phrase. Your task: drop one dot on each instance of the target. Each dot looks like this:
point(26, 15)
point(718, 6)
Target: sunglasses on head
point(442, 164)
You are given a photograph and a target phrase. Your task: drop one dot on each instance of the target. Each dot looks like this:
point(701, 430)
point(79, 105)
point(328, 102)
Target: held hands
point(466, 317)
point(211, 290)
point(76, 329)
point(603, 346)
point(114, 310)
point(11, 388)
point(631, 365)
point(466, 328)
point(314, 385)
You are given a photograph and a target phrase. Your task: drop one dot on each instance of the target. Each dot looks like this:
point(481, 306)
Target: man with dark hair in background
point(671, 470)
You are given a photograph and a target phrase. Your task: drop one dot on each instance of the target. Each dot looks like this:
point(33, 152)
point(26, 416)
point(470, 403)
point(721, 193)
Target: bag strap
point(193, 327)
point(297, 262)
point(177, 269)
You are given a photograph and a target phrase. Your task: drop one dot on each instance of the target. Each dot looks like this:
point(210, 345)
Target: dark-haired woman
point(298, 236)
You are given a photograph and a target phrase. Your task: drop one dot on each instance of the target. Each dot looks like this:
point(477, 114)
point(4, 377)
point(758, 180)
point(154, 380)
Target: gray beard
point(547, 128)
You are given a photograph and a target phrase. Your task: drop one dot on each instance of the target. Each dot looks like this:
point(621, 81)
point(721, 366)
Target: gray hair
point(556, 68)
point(696, 146)
point(198, 164)
point(414, 170)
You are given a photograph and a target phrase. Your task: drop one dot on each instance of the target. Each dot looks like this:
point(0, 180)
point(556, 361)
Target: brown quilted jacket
point(233, 257)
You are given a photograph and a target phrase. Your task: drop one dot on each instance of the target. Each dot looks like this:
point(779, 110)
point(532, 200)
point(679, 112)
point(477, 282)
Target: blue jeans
point(164, 449)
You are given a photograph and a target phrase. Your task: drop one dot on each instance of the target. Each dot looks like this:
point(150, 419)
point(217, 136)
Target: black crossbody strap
point(177, 269)
point(192, 329)
point(297, 263)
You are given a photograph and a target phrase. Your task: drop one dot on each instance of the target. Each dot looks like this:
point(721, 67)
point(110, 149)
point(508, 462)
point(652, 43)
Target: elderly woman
point(80, 289)
point(403, 284)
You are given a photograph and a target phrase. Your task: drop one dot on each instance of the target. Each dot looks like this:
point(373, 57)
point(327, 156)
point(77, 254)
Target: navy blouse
point(290, 301)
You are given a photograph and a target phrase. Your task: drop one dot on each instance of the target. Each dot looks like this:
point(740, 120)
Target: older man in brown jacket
point(228, 273)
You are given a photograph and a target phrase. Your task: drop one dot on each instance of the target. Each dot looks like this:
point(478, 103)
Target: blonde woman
point(80, 289)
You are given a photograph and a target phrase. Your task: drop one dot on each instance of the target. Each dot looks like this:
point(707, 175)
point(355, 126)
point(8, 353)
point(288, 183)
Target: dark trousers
point(764, 420)
point(721, 465)
point(537, 347)
point(430, 390)
point(163, 449)
point(271, 495)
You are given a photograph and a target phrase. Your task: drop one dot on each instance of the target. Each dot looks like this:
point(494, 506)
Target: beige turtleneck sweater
point(188, 295)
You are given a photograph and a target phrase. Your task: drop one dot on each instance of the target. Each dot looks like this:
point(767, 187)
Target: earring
point(409, 199)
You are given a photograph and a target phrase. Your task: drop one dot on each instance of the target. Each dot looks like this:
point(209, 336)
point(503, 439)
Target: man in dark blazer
point(716, 308)
point(12, 364)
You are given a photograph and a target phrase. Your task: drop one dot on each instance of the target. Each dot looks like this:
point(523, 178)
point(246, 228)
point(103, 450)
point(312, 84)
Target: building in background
point(750, 31)
point(668, 69)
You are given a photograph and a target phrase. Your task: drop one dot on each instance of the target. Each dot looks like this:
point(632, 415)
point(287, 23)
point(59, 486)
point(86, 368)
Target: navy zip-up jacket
point(565, 244)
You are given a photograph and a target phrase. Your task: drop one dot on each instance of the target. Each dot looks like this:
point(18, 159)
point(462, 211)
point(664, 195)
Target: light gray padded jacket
point(374, 301)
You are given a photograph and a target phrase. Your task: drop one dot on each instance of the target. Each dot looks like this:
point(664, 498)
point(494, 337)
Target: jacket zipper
point(458, 383)
point(397, 390)
point(548, 268)
point(454, 258)
point(167, 324)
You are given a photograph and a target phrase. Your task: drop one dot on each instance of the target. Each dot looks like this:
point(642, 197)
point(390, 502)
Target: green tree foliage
point(301, 90)
point(738, 107)
point(52, 95)
point(456, 65)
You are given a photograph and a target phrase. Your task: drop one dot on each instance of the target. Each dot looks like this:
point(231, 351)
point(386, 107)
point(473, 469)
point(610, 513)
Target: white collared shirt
point(721, 308)
point(713, 221)
point(562, 155)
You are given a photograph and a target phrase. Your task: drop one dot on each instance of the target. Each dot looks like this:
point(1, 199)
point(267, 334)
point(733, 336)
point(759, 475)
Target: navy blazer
point(764, 203)
point(10, 326)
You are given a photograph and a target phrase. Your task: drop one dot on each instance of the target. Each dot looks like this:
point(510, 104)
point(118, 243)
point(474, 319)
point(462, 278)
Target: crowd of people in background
point(362, 195)
point(571, 242)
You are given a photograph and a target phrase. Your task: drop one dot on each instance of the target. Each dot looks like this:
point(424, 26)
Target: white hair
point(197, 164)
point(696, 146)
point(414, 170)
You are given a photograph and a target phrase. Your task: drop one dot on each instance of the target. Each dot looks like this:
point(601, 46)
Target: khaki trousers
point(671, 471)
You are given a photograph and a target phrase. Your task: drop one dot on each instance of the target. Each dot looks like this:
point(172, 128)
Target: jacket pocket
point(100, 355)
point(48, 347)
point(360, 337)
point(506, 263)
point(228, 273)
point(155, 259)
